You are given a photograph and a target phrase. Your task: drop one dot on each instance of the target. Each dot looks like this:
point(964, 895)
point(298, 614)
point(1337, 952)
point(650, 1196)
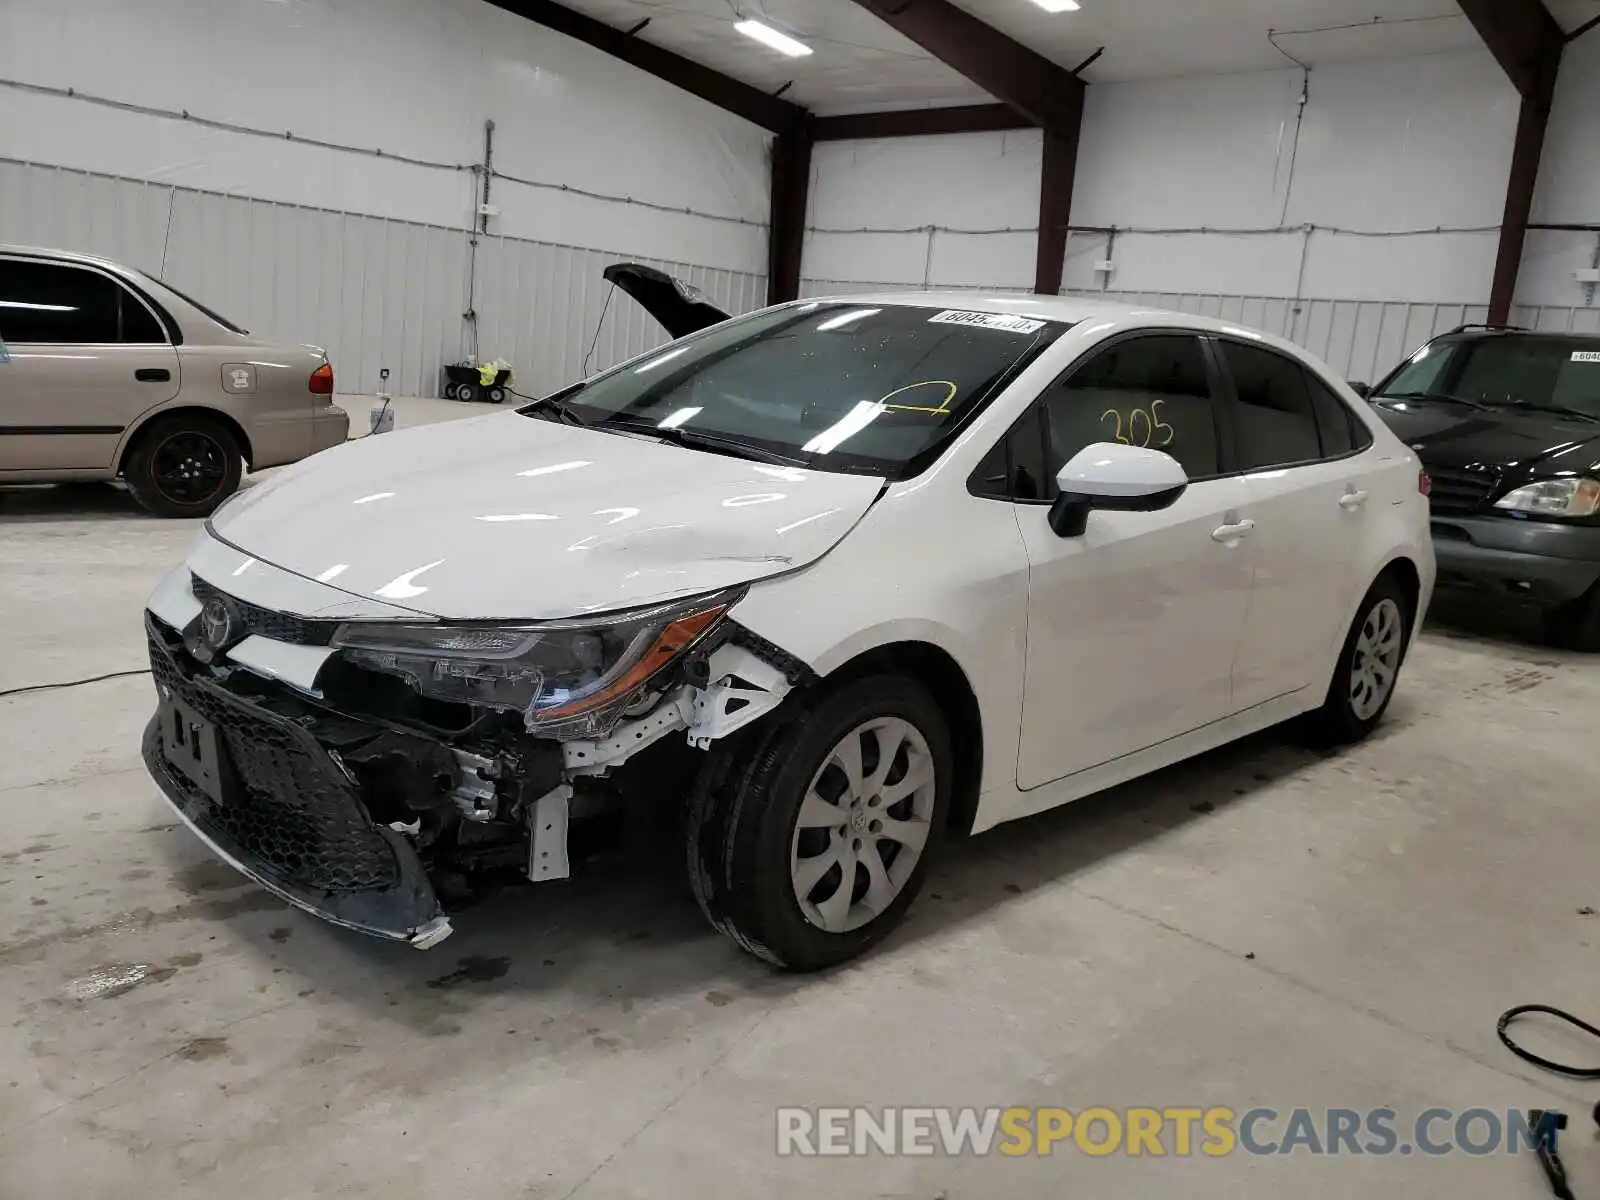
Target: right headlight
point(1576, 497)
point(568, 679)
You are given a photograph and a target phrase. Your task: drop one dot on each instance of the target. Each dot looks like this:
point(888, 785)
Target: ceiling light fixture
point(1058, 6)
point(781, 42)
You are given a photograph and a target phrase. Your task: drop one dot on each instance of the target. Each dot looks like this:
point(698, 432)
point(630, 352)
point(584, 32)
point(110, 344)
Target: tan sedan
point(106, 372)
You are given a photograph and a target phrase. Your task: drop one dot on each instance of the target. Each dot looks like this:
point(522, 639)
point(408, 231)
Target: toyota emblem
point(217, 624)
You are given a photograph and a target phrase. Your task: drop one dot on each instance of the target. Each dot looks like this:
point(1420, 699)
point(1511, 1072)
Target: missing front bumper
point(288, 818)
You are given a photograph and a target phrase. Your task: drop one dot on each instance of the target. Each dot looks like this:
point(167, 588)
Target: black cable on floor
point(1511, 1014)
point(72, 683)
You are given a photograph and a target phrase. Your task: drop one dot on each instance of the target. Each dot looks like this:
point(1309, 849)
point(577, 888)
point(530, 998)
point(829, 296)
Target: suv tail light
point(1424, 483)
point(322, 380)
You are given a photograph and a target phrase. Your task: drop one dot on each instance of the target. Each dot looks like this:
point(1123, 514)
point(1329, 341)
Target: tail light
point(322, 380)
point(1424, 484)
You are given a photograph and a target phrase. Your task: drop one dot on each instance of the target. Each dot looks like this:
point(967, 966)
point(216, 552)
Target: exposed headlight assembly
point(568, 679)
point(1577, 497)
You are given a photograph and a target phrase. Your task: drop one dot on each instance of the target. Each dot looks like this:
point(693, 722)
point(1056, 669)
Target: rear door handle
point(153, 375)
point(1232, 533)
point(1352, 500)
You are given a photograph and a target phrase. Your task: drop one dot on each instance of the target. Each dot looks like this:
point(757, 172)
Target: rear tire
point(496, 395)
point(1576, 625)
point(466, 392)
point(789, 859)
point(1369, 667)
point(184, 465)
point(449, 392)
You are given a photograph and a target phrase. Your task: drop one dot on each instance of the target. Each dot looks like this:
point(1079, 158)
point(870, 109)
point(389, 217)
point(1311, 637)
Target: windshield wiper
point(1442, 397)
point(1530, 406)
point(563, 411)
point(695, 439)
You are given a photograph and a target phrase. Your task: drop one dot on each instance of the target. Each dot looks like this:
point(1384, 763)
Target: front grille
point(292, 814)
point(280, 627)
point(1459, 491)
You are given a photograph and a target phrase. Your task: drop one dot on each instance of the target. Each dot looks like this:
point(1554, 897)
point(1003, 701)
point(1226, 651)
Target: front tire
point(1369, 666)
point(467, 393)
point(809, 839)
point(1576, 625)
point(184, 465)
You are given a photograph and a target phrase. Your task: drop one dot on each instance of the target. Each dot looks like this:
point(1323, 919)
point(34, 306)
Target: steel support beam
point(1049, 96)
point(1057, 170)
point(1527, 42)
point(786, 233)
point(751, 103)
point(921, 122)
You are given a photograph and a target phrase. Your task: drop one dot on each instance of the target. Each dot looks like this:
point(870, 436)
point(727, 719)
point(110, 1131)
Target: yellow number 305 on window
point(1157, 433)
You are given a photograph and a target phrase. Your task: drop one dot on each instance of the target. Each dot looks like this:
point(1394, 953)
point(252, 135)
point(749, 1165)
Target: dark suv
point(1507, 424)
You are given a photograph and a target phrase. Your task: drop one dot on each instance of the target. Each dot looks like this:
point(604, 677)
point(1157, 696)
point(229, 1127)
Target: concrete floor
point(1261, 926)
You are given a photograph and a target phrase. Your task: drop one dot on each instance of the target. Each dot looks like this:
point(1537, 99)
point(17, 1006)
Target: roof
point(1071, 309)
point(1479, 332)
point(1074, 310)
point(73, 256)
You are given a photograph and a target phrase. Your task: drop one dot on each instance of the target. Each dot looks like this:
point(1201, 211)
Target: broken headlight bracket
point(740, 688)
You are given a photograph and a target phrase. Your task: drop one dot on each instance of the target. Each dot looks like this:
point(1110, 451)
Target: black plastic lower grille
point(280, 627)
point(290, 809)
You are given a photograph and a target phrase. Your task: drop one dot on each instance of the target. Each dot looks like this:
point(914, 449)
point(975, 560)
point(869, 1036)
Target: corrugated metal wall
point(811, 288)
point(376, 292)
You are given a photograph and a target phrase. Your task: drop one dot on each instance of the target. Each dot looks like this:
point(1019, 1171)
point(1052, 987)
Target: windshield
point(867, 389)
point(1533, 371)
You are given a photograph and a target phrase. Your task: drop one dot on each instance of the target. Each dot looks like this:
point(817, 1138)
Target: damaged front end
point(424, 757)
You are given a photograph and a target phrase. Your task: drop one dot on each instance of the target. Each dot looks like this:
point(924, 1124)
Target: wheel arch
point(1404, 572)
point(133, 436)
point(937, 670)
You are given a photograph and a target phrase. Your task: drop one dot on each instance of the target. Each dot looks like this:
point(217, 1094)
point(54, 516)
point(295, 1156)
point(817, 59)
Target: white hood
point(508, 516)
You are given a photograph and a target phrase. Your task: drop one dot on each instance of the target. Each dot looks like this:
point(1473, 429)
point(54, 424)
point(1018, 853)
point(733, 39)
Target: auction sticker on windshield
point(983, 320)
point(1586, 356)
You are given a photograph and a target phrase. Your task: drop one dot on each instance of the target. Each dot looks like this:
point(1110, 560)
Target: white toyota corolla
point(810, 587)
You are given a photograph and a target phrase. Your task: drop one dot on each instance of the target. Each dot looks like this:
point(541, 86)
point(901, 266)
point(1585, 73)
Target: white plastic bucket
point(380, 418)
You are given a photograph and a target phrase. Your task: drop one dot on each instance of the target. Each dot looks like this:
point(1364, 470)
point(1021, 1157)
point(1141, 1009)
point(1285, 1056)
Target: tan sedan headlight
point(568, 679)
point(1578, 497)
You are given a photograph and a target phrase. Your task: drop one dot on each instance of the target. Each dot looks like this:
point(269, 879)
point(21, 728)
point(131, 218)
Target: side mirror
point(1364, 390)
point(1109, 475)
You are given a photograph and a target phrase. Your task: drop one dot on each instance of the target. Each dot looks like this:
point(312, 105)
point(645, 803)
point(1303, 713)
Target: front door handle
point(1352, 500)
point(1228, 534)
point(153, 375)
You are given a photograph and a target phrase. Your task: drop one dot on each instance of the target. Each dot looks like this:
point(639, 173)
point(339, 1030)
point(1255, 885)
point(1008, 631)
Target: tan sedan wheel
point(184, 466)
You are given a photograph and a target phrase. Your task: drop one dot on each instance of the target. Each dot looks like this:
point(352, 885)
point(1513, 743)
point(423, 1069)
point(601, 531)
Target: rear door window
point(1276, 425)
point(1335, 424)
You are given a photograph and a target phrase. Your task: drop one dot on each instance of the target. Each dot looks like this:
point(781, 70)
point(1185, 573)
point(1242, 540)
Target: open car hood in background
point(679, 307)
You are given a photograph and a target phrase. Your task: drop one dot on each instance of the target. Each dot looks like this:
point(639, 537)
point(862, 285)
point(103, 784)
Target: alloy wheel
point(863, 824)
point(189, 467)
point(1375, 660)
